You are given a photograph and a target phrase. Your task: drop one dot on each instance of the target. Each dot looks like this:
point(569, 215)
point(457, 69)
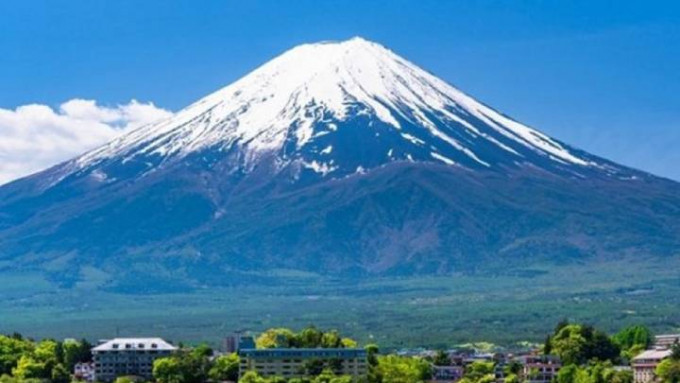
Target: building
point(645, 364)
point(84, 371)
point(666, 341)
point(540, 368)
point(300, 362)
point(128, 357)
point(447, 374)
point(232, 342)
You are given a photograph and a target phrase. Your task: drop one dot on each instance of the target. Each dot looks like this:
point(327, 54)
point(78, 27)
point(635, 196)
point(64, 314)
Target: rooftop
point(135, 344)
point(653, 354)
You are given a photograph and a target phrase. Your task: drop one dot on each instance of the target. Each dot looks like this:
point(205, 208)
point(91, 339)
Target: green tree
point(310, 337)
point(28, 367)
point(372, 352)
point(479, 369)
point(668, 371)
point(75, 352)
point(632, 336)
point(623, 376)
point(396, 369)
point(12, 348)
point(252, 377)
point(567, 374)
point(325, 376)
point(60, 374)
point(46, 353)
point(675, 351)
point(331, 339)
point(276, 337)
point(441, 358)
point(349, 343)
point(512, 368)
point(225, 368)
point(168, 370)
point(577, 344)
point(124, 379)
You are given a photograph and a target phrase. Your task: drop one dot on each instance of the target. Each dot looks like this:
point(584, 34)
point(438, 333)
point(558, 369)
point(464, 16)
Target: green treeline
point(24, 360)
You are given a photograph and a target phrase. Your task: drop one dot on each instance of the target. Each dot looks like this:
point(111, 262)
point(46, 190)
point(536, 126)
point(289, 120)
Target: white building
point(645, 364)
point(128, 357)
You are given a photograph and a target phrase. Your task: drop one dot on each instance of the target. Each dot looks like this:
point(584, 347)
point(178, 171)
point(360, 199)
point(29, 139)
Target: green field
point(431, 311)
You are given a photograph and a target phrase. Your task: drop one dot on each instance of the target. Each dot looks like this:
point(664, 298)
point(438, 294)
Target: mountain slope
point(335, 158)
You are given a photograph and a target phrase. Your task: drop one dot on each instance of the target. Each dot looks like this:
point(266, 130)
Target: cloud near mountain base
point(34, 137)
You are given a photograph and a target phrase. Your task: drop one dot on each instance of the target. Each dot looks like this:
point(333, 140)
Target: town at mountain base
point(573, 353)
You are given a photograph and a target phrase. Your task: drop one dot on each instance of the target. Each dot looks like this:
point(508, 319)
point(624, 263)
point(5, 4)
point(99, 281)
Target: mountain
point(340, 158)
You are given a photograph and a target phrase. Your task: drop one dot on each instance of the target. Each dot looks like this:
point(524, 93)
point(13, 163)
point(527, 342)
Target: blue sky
point(601, 75)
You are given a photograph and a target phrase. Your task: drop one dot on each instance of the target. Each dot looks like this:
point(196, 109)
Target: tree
point(225, 367)
point(632, 336)
point(11, 350)
point(513, 367)
point(168, 370)
point(567, 374)
point(441, 358)
point(372, 352)
point(594, 372)
point(252, 377)
point(326, 376)
point(310, 337)
point(675, 351)
point(46, 353)
point(349, 343)
point(202, 351)
point(75, 352)
point(577, 344)
point(60, 374)
point(396, 369)
point(331, 339)
point(480, 371)
point(547, 346)
point(27, 368)
point(622, 376)
point(276, 337)
point(124, 379)
point(668, 371)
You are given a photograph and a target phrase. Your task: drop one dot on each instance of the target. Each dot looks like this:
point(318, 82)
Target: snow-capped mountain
point(335, 156)
point(337, 108)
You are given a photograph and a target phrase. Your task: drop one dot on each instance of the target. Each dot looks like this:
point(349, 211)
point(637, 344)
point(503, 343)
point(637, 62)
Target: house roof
point(653, 354)
point(122, 344)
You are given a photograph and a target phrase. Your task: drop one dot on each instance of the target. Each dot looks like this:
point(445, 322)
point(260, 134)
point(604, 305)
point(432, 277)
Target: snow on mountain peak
point(323, 84)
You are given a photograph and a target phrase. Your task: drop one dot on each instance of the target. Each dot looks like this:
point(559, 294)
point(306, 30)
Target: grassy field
point(432, 311)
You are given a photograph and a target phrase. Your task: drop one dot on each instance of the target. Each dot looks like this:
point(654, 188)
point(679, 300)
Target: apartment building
point(128, 357)
point(300, 362)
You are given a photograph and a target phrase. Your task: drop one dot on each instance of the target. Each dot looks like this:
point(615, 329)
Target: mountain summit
point(335, 157)
point(336, 108)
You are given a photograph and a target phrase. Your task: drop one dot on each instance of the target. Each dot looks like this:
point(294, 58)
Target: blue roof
point(304, 352)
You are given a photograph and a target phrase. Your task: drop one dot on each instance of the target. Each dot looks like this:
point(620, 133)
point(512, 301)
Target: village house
point(644, 365)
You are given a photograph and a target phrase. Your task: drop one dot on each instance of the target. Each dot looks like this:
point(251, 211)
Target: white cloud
point(34, 137)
